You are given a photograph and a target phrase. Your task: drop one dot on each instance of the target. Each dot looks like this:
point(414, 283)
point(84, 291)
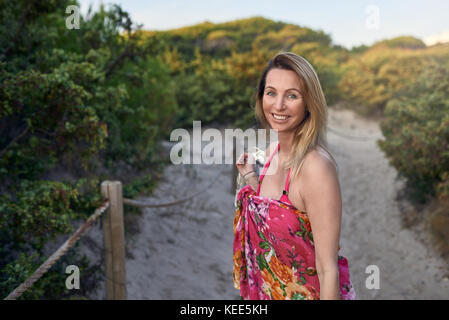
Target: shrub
point(416, 130)
point(76, 103)
point(372, 78)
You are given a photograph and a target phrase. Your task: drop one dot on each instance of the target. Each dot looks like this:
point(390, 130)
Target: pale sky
point(348, 22)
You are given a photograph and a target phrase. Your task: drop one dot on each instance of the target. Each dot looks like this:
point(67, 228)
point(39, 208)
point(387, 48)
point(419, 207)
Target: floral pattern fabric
point(273, 252)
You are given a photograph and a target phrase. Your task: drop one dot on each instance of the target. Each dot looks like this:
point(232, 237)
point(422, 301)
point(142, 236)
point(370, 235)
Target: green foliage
point(136, 128)
point(289, 36)
point(81, 101)
point(403, 42)
point(52, 284)
point(370, 79)
point(140, 185)
point(218, 39)
point(60, 114)
point(203, 94)
point(219, 90)
point(76, 100)
point(41, 210)
point(359, 49)
point(416, 130)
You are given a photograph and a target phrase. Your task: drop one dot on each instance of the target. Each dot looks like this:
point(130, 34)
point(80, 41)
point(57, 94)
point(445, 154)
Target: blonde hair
point(311, 132)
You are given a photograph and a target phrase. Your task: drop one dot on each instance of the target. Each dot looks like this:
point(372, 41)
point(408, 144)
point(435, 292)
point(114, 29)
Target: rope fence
point(16, 293)
point(139, 204)
point(113, 239)
point(350, 137)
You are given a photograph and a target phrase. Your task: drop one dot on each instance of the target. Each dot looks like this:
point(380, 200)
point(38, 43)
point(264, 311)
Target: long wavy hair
point(311, 132)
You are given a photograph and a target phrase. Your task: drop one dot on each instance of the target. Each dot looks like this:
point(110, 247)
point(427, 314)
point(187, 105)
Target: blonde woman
point(287, 222)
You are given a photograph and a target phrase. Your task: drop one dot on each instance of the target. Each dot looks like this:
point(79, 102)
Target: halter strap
point(287, 181)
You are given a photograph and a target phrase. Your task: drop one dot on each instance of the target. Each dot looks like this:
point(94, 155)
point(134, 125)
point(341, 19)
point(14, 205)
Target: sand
point(185, 251)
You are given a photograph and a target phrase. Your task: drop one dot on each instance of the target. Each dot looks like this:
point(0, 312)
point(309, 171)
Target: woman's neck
point(286, 143)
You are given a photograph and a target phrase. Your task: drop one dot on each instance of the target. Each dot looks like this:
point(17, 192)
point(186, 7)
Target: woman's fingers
point(245, 163)
point(242, 159)
point(251, 159)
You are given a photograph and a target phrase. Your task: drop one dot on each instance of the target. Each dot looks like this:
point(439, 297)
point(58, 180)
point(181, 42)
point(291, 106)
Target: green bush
point(416, 130)
point(218, 91)
point(371, 79)
point(51, 285)
point(39, 212)
point(80, 101)
point(404, 42)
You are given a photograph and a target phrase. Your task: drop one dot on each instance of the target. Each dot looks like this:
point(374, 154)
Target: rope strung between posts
point(347, 136)
point(139, 204)
point(57, 254)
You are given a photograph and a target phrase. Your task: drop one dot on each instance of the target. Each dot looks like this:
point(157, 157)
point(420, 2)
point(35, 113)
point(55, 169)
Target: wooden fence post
point(114, 241)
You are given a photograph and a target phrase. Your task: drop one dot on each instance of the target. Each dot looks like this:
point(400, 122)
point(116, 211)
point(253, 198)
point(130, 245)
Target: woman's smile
point(279, 118)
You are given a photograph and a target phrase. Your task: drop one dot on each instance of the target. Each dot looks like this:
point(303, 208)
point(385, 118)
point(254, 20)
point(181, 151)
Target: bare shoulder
point(318, 165)
point(319, 184)
point(316, 180)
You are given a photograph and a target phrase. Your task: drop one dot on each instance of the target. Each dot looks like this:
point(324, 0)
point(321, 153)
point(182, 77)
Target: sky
point(348, 22)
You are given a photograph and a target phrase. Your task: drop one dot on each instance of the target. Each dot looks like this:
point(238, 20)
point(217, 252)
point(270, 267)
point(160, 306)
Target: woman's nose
point(279, 103)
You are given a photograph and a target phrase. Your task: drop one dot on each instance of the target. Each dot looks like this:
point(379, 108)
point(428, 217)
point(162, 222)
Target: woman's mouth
point(280, 117)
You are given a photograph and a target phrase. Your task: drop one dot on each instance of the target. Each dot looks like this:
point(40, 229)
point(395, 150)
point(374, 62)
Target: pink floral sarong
point(274, 253)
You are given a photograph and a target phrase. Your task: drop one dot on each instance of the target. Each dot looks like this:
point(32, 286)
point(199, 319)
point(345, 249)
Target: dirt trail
point(372, 233)
point(185, 251)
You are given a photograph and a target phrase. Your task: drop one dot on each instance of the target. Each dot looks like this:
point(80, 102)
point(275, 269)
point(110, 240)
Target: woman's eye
point(291, 96)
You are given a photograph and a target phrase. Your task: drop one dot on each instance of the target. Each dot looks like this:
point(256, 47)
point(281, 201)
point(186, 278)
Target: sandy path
point(185, 251)
point(371, 228)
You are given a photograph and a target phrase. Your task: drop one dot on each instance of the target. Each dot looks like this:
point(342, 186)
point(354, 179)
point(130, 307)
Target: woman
point(286, 243)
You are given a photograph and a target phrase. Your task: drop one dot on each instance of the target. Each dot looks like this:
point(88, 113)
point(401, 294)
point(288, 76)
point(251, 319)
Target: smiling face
point(283, 102)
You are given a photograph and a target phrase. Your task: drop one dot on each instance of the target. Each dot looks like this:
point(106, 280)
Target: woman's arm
point(253, 179)
point(322, 199)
